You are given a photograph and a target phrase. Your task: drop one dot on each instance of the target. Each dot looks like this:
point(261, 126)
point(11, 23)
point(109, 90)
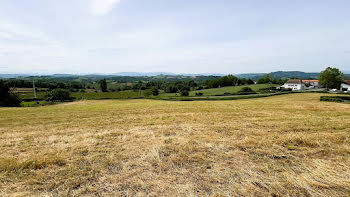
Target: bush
point(155, 91)
point(184, 93)
point(59, 95)
point(246, 91)
point(335, 98)
point(199, 94)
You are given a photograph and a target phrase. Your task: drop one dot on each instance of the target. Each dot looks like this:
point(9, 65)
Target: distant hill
point(280, 75)
point(141, 74)
point(6, 76)
point(297, 74)
point(253, 76)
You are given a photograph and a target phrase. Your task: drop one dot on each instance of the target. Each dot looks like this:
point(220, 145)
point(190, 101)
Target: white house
point(294, 84)
point(345, 86)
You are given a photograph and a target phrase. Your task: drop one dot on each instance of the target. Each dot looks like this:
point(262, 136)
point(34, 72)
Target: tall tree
point(7, 98)
point(103, 85)
point(331, 78)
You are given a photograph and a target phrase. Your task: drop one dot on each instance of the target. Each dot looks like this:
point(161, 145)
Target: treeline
point(45, 83)
point(190, 85)
point(168, 85)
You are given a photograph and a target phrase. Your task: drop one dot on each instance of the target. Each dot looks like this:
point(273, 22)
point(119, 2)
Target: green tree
point(331, 78)
point(155, 91)
point(184, 93)
point(103, 85)
point(58, 94)
point(244, 81)
point(7, 98)
point(265, 79)
point(250, 81)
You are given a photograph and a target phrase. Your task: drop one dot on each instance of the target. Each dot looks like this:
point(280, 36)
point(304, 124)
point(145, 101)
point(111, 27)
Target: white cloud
point(102, 7)
point(20, 32)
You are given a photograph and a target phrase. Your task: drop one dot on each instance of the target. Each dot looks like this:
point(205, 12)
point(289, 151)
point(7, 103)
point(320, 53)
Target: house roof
point(294, 81)
point(310, 80)
point(347, 82)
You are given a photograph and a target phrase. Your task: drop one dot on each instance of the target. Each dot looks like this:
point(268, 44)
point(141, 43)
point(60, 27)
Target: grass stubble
point(288, 145)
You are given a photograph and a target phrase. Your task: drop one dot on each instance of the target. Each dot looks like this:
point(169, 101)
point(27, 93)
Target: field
point(287, 145)
point(89, 95)
point(229, 89)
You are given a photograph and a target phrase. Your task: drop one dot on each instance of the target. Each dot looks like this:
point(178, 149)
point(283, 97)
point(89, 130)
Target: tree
point(184, 93)
point(103, 85)
point(244, 81)
point(250, 82)
point(170, 89)
point(192, 83)
point(155, 91)
point(59, 95)
point(7, 98)
point(331, 78)
point(265, 79)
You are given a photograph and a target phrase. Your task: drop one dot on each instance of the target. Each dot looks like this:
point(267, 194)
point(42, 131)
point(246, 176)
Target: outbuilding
point(294, 84)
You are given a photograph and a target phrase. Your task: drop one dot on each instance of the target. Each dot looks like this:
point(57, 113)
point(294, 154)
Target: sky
point(178, 36)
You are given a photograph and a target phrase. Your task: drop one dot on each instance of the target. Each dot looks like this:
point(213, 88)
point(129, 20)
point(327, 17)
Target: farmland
point(287, 145)
point(89, 95)
point(230, 89)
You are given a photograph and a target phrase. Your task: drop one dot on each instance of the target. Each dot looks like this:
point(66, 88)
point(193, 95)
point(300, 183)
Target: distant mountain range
point(281, 75)
point(253, 76)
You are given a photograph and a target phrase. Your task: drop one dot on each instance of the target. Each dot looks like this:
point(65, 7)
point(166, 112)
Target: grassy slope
point(230, 89)
point(284, 145)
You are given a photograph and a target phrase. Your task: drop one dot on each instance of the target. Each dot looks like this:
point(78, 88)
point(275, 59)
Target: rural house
point(345, 86)
point(294, 84)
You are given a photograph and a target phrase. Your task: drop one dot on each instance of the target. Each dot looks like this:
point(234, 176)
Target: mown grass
point(107, 95)
point(287, 145)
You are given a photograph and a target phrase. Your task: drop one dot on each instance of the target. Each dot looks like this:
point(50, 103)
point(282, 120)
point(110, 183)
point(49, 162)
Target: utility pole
point(34, 89)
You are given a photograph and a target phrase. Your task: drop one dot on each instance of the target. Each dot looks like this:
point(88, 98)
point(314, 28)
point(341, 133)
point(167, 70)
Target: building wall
point(295, 86)
point(345, 87)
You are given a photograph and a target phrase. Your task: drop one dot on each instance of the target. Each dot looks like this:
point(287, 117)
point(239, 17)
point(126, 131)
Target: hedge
point(335, 98)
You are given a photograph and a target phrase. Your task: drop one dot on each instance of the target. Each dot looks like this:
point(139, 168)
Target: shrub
point(246, 91)
point(155, 91)
point(184, 93)
point(58, 94)
point(335, 98)
point(199, 94)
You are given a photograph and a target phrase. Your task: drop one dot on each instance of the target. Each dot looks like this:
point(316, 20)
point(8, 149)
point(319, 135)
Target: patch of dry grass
point(290, 145)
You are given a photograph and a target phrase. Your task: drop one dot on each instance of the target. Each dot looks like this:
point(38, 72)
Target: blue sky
point(181, 36)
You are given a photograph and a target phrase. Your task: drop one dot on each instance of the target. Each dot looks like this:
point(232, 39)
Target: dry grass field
point(288, 145)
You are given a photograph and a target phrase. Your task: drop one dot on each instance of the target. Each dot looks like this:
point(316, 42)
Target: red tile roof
point(309, 80)
point(297, 81)
point(347, 81)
